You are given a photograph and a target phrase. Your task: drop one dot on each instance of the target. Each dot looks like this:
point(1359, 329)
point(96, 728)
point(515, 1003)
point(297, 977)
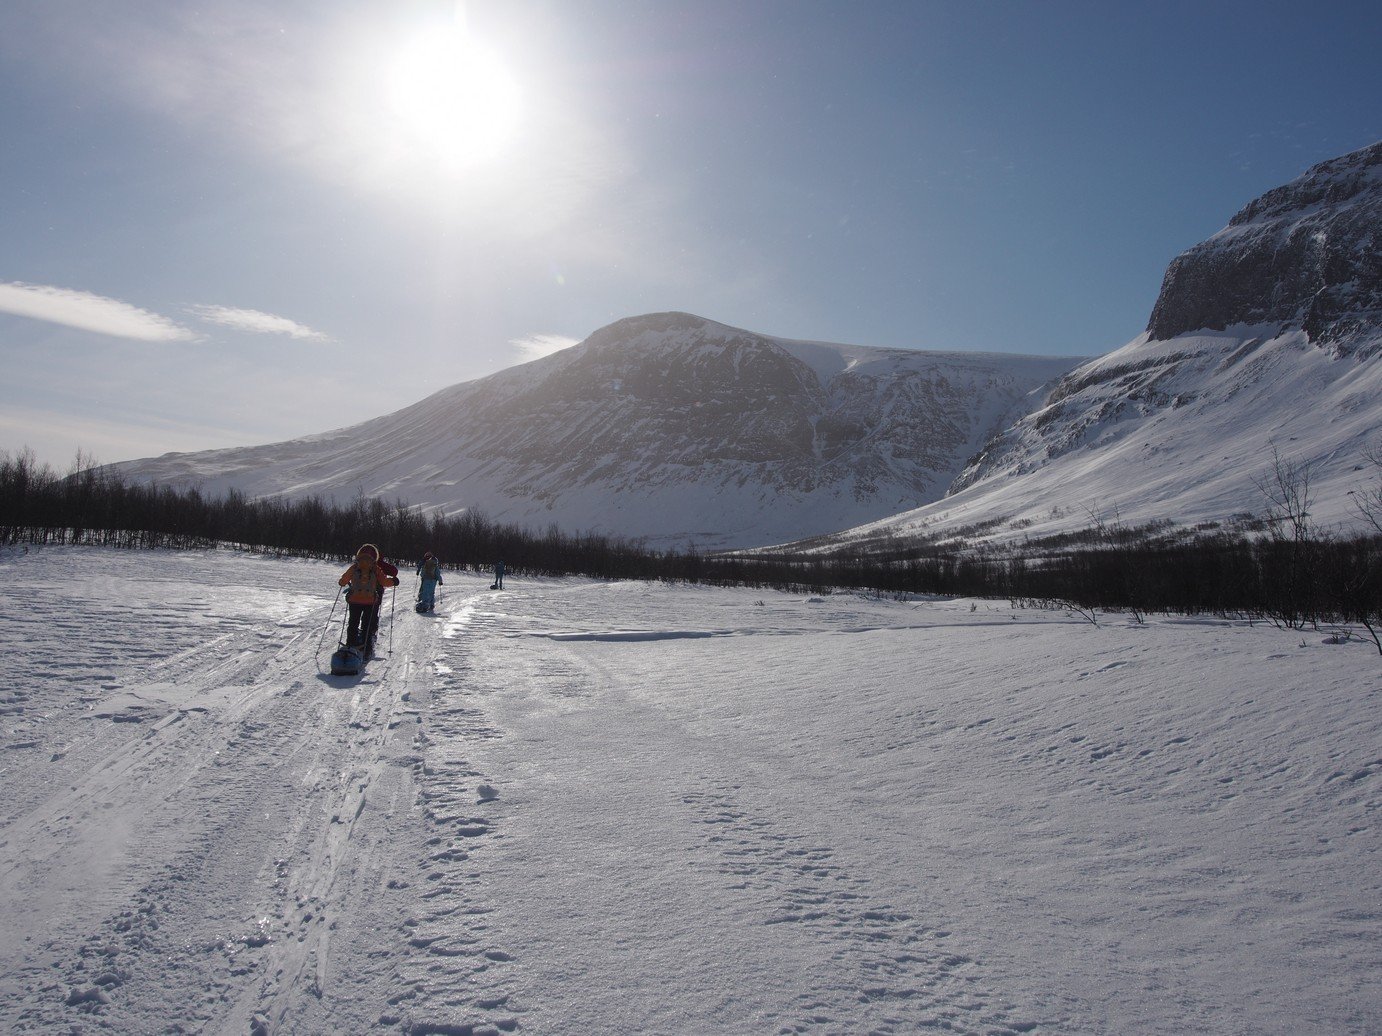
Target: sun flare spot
point(453, 98)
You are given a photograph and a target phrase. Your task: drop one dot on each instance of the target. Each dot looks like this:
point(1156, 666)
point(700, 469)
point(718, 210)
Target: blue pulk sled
point(347, 661)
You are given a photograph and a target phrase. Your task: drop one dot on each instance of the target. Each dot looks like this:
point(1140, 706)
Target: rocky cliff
point(1306, 255)
point(1266, 341)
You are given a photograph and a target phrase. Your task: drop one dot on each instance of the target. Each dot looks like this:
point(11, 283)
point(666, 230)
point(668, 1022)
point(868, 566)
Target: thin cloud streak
point(89, 312)
point(258, 322)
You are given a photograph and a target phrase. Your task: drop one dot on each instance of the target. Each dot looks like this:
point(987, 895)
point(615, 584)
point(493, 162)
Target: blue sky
point(242, 221)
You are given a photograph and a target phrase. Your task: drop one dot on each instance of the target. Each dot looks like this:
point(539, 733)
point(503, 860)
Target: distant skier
point(498, 575)
point(367, 580)
point(429, 571)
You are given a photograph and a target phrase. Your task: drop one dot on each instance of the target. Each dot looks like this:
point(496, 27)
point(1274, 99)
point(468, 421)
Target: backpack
point(364, 584)
point(431, 568)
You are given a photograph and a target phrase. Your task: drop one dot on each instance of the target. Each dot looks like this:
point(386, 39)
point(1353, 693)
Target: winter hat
point(368, 549)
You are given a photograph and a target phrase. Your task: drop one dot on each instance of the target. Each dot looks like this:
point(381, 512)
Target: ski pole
point(335, 602)
point(393, 599)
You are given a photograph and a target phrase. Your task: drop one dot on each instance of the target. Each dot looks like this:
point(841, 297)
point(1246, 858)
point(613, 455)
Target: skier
point(429, 571)
point(498, 575)
point(367, 579)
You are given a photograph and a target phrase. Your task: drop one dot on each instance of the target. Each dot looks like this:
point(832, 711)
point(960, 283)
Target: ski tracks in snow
point(452, 976)
point(206, 833)
point(571, 808)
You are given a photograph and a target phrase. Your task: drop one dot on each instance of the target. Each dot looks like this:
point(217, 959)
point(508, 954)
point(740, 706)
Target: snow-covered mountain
point(1266, 340)
point(666, 426)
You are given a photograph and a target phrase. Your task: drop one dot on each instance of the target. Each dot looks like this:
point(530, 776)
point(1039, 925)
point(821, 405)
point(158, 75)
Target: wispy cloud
point(88, 312)
point(257, 322)
point(536, 346)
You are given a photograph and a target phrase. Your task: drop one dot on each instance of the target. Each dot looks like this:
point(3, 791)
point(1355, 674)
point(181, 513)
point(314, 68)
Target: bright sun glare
point(453, 98)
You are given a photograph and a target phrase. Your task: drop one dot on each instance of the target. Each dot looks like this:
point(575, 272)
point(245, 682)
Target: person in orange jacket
point(367, 580)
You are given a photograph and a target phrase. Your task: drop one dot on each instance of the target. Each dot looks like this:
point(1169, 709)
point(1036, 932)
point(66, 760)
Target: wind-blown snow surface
point(584, 807)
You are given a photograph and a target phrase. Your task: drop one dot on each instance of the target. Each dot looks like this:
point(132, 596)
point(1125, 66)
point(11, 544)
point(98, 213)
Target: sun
point(452, 98)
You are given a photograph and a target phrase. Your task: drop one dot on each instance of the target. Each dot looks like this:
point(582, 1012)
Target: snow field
point(575, 806)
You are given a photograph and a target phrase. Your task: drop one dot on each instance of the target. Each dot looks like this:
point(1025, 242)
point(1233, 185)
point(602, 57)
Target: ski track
point(558, 808)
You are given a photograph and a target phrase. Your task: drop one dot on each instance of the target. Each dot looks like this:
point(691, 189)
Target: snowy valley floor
point(577, 807)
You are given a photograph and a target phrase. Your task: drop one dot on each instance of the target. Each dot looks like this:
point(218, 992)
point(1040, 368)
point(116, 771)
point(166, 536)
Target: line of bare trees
point(1290, 574)
point(90, 506)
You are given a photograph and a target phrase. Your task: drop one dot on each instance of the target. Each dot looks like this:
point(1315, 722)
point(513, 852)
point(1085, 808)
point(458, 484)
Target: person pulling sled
point(367, 580)
point(429, 571)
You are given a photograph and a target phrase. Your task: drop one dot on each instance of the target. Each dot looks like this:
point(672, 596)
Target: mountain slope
point(1266, 340)
point(666, 426)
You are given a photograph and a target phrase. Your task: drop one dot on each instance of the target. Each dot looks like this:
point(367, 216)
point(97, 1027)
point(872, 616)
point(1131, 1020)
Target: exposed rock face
point(1267, 338)
point(666, 426)
point(1307, 255)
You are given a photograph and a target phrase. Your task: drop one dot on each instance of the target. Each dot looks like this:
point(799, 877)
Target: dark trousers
point(362, 624)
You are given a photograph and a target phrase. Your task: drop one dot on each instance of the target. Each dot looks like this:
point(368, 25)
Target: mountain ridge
point(668, 427)
point(1265, 342)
